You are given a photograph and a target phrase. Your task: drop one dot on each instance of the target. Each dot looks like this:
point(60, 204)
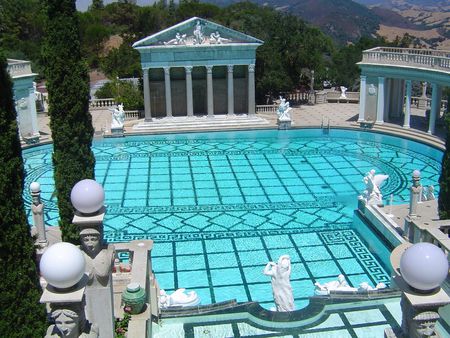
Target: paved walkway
point(342, 115)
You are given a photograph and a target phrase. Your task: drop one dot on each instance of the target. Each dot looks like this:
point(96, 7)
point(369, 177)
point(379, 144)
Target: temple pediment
point(196, 32)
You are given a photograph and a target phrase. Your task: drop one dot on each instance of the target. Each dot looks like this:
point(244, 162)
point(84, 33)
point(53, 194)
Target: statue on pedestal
point(283, 110)
point(37, 208)
point(343, 92)
point(372, 194)
point(281, 285)
point(118, 117)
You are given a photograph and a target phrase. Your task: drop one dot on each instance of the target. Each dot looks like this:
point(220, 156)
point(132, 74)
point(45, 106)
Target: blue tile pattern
point(233, 201)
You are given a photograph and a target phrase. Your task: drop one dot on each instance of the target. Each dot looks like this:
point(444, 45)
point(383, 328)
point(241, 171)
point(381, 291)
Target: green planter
point(134, 298)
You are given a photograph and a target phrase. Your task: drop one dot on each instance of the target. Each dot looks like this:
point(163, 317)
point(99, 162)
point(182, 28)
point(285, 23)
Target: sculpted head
point(91, 241)
point(67, 322)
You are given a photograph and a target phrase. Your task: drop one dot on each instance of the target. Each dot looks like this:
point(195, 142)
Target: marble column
point(407, 104)
point(189, 98)
point(230, 91)
point(380, 101)
point(209, 90)
point(33, 113)
point(435, 107)
point(168, 91)
point(148, 114)
point(251, 90)
point(362, 98)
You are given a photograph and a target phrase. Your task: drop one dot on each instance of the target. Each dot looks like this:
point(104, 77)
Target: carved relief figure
point(98, 260)
point(69, 324)
point(199, 38)
point(281, 285)
point(215, 38)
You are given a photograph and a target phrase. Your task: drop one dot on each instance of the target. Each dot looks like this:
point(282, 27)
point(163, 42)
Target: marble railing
point(266, 108)
point(425, 103)
point(102, 103)
point(425, 58)
point(19, 67)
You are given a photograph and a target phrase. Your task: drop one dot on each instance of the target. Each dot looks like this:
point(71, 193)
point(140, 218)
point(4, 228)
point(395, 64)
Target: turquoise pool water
point(221, 205)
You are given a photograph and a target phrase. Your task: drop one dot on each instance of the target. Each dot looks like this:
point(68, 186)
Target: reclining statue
point(341, 285)
point(178, 298)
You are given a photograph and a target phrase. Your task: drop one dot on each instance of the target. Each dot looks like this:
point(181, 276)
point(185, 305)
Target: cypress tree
point(70, 120)
point(444, 179)
point(20, 312)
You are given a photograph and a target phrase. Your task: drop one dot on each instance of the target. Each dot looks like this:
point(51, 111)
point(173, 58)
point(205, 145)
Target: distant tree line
point(290, 51)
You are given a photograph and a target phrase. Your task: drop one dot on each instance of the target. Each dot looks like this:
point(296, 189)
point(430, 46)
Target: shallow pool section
point(221, 205)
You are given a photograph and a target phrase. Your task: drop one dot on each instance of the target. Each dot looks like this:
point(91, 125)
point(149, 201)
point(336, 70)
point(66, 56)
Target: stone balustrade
point(424, 58)
point(266, 108)
point(19, 67)
point(102, 103)
point(422, 102)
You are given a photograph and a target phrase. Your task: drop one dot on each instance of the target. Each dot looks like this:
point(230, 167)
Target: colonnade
point(394, 97)
point(209, 91)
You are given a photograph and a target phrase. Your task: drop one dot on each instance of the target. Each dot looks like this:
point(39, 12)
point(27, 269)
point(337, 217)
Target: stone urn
point(134, 298)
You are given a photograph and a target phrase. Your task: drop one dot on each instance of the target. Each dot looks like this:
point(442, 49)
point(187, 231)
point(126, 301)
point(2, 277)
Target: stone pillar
point(210, 91)
point(380, 101)
point(408, 105)
point(251, 90)
point(362, 98)
point(435, 111)
point(168, 91)
point(189, 98)
point(148, 113)
point(230, 91)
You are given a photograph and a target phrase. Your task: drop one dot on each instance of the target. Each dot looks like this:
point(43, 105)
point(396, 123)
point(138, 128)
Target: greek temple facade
point(386, 82)
point(198, 68)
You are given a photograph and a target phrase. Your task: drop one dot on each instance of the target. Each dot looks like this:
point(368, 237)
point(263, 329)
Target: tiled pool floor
point(221, 205)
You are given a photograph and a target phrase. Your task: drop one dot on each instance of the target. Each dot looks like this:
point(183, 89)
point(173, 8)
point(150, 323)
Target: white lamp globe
point(35, 187)
point(87, 196)
point(424, 266)
point(62, 265)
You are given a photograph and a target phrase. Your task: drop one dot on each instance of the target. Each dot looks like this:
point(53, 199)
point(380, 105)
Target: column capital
point(363, 77)
point(209, 69)
point(381, 79)
point(188, 69)
point(251, 67)
point(230, 68)
point(166, 70)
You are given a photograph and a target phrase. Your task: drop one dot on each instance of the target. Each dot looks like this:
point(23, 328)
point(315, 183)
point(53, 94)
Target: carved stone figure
point(424, 324)
point(343, 92)
point(180, 39)
point(215, 38)
point(283, 110)
point(430, 193)
point(118, 117)
point(98, 261)
point(372, 194)
point(70, 324)
point(199, 38)
point(281, 285)
point(178, 298)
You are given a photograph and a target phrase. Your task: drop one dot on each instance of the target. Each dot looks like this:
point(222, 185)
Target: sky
point(82, 5)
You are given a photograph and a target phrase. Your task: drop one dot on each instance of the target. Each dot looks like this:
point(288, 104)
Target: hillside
point(343, 20)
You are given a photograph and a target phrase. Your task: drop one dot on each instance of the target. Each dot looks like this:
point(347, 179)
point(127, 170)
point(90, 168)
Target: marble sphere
point(62, 265)
point(87, 196)
point(35, 187)
point(424, 266)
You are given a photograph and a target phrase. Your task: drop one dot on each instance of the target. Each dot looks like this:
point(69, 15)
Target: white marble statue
point(372, 194)
point(118, 117)
point(283, 110)
point(70, 324)
point(180, 39)
point(342, 285)
point(343, 92)
point(280, 274)
point(178, 298)
point(199, 37)
point(215, 38)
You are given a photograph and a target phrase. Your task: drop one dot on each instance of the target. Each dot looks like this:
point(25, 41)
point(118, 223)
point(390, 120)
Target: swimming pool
point(221, 205)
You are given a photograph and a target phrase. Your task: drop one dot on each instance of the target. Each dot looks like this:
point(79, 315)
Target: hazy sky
point(82, 5)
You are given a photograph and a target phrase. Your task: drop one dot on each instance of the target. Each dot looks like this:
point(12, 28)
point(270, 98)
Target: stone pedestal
point(117, 132)
point(284, 123)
